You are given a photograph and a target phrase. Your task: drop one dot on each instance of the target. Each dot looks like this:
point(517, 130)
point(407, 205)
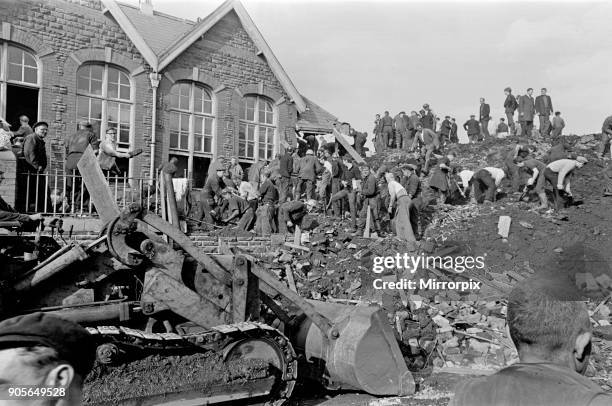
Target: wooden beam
point(340, 138)
point(98, 188)
point(366, 231)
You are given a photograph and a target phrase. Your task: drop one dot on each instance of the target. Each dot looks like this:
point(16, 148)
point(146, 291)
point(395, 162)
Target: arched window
point(19, 84)
point(257, 129)
point(105, 99)
point(192, 128)
point(191, 118)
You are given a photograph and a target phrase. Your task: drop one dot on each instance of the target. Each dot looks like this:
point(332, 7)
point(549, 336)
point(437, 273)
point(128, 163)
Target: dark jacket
point(309, 167)
point(35, 152)
point(213, 187)
point(268, 192)
point(337, 168)
point(386, 121)
point(526, 108)
point(349, 174)
point(543, 105)
point(446, 128)
point(428, 120)
point(413, 186)
point(510, 104)
point(369, 186)
point(472, 127)
point(286, 165)
point(485, 111)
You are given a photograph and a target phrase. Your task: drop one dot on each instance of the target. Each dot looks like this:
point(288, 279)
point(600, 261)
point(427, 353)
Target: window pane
point(198, 143)
point(208, 144)
point(251, 133)
point(185, 122)
point(83, 107)
point(14, 55)
point(208, 123)
point(113, 112)
point(174, 129)
point(242, 141)
point(265, 112)
point(125, 113)
point(83, 79)
point(124, 92)
point(198, 123)
point(124, 135)
point(30, 75)
point(249, 108)
point(184, 140)
point(14, 72)
point(184, 90)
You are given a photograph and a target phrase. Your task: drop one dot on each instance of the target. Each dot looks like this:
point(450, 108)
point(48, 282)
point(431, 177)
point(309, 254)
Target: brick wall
point(55, 30)
point(8, 165)
point(210, 244)
point(65, 34)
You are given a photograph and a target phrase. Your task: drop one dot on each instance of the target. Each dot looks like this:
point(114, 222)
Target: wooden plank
point(290, 278)
point(340, 138)
point(503, 227)
point(98, 188)
point(297, 235)
point(366, 232)
point(297, 247)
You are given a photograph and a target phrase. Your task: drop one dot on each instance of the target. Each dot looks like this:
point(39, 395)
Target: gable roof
point(158, 30)
point(161, 38)
point(315, 119)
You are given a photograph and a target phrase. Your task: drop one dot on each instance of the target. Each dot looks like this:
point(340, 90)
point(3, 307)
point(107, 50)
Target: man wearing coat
point(485, 110)
point(401, 130)
point(472, 127)
point(309, 168)
point(510, 105)
point(544, 108)
point(526, 112)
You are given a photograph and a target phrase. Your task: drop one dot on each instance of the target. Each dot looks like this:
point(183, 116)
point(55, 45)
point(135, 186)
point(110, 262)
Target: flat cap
point(72, 342)
point(39, 123)
point(84, 123)
point(582, 159)
point(507, 89)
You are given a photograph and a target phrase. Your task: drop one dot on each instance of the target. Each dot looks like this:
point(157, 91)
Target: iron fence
point(58, 193)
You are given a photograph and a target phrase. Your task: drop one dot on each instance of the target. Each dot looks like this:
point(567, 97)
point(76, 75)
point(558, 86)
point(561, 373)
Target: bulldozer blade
point(365, 355)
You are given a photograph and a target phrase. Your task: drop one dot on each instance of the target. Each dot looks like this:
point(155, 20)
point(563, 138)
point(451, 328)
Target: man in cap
point(510, 106)
point(485, 111)
point(453, 134)
point(211, 194)
point(401, 130)
point(370, 194)
point(34, 150)
point(502, 129)
point(268, 194)
point(413, 122)
point(292, 213)
point(108, 152)
point(526, 112)
point(285, 170)
point(429, 141)
point(336, 183)
point(445, 130)
point(308, 170)
point(240, 211)
point(378, 139)
point(485, 183)
point(518, 152)
point(559, 174)
point(537, 179)
point(428, 118)
point(552, 334)
point(39, 350)
point(75, 145)
point(558, 124)
point(606, 136)
point(351, 183)
point(35, 154)
point(236, 174)
point(472, 127)
point(411, 182)
point(255, 173)
point(544, 108)
point(387, 129)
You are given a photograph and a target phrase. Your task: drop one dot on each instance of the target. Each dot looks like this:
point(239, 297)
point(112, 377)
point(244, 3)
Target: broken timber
point(340, 138)
point(98, 188)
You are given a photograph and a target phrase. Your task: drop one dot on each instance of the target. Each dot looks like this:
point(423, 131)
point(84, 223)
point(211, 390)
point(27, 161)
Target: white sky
point(356, 59)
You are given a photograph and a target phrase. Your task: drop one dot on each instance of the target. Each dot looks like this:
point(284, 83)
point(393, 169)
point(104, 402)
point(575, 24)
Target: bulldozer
point(142, 288)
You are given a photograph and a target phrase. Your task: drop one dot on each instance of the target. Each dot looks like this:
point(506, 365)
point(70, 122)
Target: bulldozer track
point(220, 338)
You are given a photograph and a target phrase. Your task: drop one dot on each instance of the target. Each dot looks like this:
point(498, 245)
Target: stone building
point(195, 89)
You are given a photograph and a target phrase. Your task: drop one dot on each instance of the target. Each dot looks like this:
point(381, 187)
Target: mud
point(157, 375)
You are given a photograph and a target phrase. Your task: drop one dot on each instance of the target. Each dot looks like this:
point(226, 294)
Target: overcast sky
point(356, 59)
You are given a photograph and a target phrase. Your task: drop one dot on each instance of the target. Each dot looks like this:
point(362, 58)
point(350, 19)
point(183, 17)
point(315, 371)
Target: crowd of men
point(402, 131)
point(273, 196)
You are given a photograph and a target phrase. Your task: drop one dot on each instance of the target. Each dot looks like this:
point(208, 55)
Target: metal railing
point(59, 193)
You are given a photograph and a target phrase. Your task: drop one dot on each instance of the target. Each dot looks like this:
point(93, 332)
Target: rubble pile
point(450, 329)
